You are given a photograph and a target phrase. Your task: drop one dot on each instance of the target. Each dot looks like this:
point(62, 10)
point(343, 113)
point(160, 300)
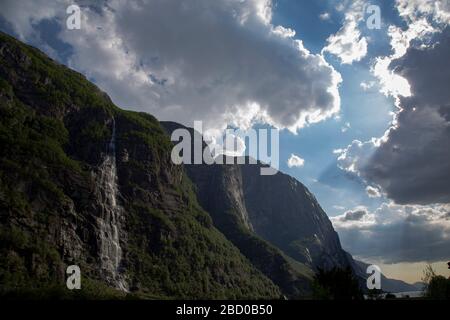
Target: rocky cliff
point(83, 182)
point(285, 213)
point(275, 221)
point(276, 208)
point(220, 190)
point(268, 216)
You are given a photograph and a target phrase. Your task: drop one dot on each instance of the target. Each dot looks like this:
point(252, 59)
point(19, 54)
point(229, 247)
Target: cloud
point(325, 16)
point(25, 15)
point(353, 215)
point(396, 233)
point(356, 156)
point(391, 83)
point(222, 62)
point(411, 162)
point(295, 161)
point(412, 10)
point(373, 192)
point(367, 85)
point(347, 43)
point(423, 18)
point(345, 127)
point(231, 145)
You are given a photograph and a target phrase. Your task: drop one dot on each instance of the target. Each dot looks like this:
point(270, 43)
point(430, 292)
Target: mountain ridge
point(260, 202)
point(58, 204)
point(84, 182)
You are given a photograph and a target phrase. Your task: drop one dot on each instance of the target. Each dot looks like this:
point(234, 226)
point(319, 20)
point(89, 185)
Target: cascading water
point(110, 250)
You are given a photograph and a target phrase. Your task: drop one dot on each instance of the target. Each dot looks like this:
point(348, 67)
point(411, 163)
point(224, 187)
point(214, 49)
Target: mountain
point(219, 189)
point(387, 284)
point(84, 182)
point(274, 216)
point(276, 208)
point(419, 286)
point(268, 216)
point(284, 212)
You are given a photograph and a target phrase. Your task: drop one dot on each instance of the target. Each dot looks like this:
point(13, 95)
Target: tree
point(437, 287)
point(336, 284)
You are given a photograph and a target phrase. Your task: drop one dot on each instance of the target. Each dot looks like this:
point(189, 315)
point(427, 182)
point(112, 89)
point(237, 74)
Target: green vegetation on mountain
point(55, 127)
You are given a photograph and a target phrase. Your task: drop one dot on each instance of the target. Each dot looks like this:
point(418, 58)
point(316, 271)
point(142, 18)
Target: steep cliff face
point(276, 222)
point(83, 182)
point(220, 192)
point(285, 213)
point(276, 208)
point(277, 211)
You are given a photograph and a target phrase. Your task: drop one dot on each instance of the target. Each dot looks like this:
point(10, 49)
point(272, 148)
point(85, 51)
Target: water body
point(411, 294)
point(406, 294)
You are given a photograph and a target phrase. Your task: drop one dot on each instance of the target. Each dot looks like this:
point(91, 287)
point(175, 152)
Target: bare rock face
point(276, 208)
point(268, 216)
point(285, 213)
point(275, 221)
point(220, 192)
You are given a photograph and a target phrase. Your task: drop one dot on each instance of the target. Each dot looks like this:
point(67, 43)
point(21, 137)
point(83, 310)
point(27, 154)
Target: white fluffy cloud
point(412, 10)
point(367, 85)
point(373, 192)
point(424, 18)
point(325, 16)
point(345, 127)
point(295, 161)
point(356, 156)
point(222, 62)
point(348, 44)
point(395, 233)
point(356, 217)
point(391, 83)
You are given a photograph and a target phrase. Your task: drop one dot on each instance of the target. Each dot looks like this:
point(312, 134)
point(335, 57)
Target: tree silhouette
point(336, 284)
point(437, 287)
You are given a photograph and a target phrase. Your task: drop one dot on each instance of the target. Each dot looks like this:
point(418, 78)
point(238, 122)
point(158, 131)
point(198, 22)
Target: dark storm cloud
point(413, 166)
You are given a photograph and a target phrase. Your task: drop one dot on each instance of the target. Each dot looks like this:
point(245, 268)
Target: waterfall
point(110, 250)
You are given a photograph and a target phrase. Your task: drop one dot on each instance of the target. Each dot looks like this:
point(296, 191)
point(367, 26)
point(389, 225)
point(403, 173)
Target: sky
point(362, 100)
